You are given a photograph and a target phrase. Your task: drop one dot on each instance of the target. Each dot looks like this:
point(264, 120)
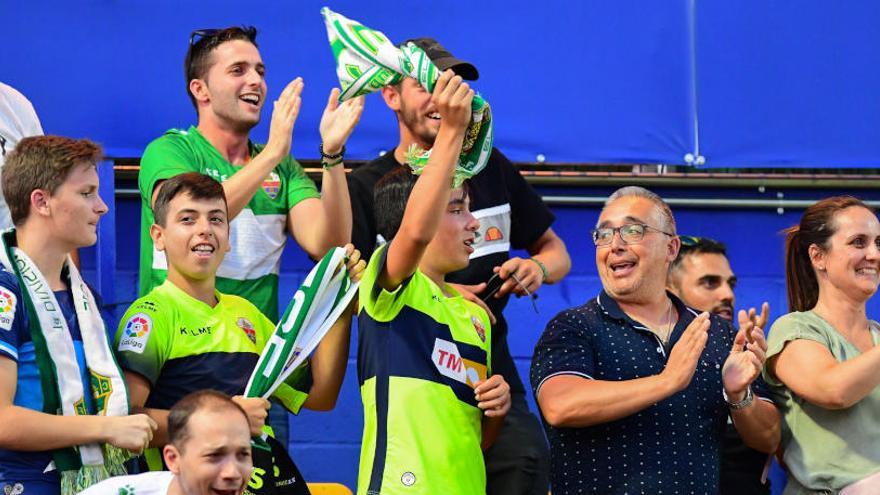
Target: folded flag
point(318, 303)
point(367, 61)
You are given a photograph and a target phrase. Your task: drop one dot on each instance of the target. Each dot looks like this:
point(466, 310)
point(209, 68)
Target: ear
point(391, 97)
point(40, 202)
point(672, 248)
point(200, 91)
point(817, 257)
point(172, 458)
point(157, 233)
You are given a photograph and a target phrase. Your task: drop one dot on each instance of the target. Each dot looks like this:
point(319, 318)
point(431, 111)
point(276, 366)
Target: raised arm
point(431, 193)
point(319, 224)
point(572, 401)
point(758, 423)
point(25, 429)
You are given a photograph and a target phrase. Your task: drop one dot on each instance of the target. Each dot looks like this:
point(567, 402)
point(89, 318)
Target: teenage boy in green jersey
point(430, 400)
point(268, 193)
point(185, 335)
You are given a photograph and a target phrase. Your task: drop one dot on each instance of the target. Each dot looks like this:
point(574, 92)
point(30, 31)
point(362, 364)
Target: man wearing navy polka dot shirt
point(634, 387)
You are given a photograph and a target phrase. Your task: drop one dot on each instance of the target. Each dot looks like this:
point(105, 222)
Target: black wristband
point(331, 157)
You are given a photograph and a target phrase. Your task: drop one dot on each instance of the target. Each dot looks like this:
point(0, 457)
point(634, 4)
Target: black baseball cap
point(445, 60)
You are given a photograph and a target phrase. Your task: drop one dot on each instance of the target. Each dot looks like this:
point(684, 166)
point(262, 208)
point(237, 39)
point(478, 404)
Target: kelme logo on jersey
point(248, 328)
point(272, 184)
point(7, 308)
point(450, 364)
point(478, 326)
point(136, 333)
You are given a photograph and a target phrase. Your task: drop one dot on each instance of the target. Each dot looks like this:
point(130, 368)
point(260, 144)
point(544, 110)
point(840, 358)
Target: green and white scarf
point(60, 377)
point(318, 303)
point(366, 61)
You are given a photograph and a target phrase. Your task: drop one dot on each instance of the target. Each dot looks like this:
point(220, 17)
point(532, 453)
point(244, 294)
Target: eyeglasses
point(630, 234)
point(196, 35)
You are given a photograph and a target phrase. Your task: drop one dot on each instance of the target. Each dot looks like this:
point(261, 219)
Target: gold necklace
point(670, 324)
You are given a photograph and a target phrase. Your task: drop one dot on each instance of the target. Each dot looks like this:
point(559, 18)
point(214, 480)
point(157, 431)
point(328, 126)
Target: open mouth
point(203, 250)
point(869, 271)
point(622, 268)
point(469, 245)
point(251, 98)
point(433, 116)
point(725, 312)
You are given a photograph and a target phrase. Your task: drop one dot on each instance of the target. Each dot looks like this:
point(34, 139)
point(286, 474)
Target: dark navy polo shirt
point(672, 446)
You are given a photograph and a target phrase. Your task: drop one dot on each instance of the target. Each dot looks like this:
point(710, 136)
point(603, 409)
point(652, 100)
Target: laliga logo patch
point(7, 308)
point(478, 326)
point(248, 328)
point(136, 333)
point(449, 363)
point(272, 184)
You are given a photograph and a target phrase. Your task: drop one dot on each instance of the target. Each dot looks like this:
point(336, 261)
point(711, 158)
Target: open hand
point(284, 113)
point(338, 121)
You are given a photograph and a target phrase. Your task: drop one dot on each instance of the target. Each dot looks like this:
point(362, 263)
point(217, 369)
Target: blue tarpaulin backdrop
point(749, 83)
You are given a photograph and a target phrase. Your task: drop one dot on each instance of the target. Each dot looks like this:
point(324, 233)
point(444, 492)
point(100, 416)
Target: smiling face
point(850, 265)
point(234, 88)
point(635, 273)
point(418, 117)
point(216, 457)
point(452, 245)
point(75, 207)
point(195, 238)
point(705, 282)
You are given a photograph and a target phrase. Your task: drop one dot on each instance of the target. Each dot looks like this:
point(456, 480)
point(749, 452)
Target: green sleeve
point(164, 158)
point(295, 389)
point(380, 304)
point(793, 326)
point(298, 185)
point(142, 339)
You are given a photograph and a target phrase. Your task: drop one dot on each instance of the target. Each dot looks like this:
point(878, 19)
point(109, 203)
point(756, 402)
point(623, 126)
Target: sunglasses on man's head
point(689, 240)
point(198, 34)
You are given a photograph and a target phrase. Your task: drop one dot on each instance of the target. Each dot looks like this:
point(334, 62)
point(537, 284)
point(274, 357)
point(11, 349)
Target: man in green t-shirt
point(185, 335)
point(268, 193)
point(430, 399)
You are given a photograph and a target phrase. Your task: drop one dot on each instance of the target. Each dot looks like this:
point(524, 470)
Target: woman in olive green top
point(823, 361)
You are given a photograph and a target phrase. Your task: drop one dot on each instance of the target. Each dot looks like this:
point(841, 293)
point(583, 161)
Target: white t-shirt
point(17, 120)
point(151, 483)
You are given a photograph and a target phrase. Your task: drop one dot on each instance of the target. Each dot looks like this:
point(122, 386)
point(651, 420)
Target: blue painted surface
point(754, 83)
point(326, 445)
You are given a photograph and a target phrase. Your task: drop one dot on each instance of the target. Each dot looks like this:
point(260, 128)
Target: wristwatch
point(746, 402)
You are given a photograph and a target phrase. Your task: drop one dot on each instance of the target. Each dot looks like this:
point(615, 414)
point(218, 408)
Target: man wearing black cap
point(512, 216)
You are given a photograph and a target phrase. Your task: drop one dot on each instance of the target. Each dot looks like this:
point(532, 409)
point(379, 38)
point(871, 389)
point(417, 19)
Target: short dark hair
point(691, 245)
point(42, 162)
point(390, 195)
point(198, 56)
point(198, 186)
point(178, 417)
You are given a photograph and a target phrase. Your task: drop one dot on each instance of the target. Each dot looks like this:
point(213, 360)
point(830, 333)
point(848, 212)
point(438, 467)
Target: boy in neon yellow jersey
point(185, 335)
point(430, 401)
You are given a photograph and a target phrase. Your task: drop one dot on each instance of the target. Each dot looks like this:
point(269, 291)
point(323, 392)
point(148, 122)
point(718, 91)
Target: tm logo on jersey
point(450, 364)
point(7, 308)
point(136, 333)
